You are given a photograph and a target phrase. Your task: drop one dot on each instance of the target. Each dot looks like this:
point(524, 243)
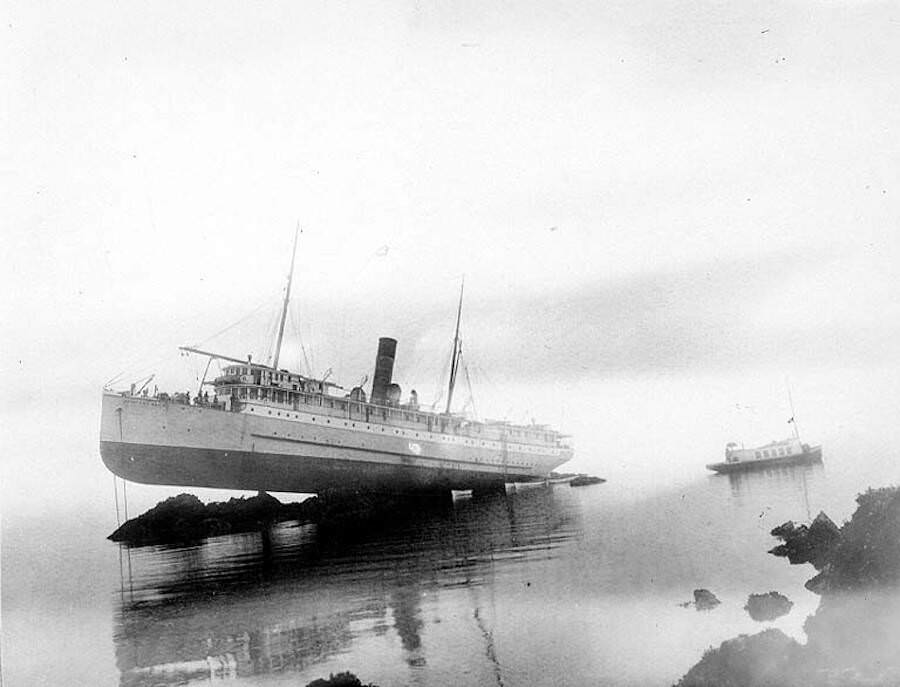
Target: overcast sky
point(631, 189)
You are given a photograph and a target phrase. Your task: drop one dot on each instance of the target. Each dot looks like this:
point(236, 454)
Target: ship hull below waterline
point(255, 471)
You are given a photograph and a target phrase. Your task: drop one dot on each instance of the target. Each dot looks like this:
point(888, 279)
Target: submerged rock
point(764, 607)
point(585, 480)
point(705, 600)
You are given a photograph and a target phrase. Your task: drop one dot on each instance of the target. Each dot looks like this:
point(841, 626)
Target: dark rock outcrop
point(585, 480)
point(851, 638)
point(346, 679)
point(804, 544)
point(705, 600)
point(185, 518)
point(747, 661)
point(864, 553)
point(765, 607)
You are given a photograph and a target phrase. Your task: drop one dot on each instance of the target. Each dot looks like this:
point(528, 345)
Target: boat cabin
point(774, 449)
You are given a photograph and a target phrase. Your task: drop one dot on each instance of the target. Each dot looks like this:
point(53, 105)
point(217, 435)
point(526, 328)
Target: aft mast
point(454, 359)
point(287, 298)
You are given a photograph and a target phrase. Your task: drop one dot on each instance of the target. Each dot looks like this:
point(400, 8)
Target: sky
point(665, 213)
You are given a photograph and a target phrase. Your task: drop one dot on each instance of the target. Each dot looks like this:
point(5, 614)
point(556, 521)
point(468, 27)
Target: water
point(550, 585)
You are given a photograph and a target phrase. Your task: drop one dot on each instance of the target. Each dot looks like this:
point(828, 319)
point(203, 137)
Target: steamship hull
point(156, 442)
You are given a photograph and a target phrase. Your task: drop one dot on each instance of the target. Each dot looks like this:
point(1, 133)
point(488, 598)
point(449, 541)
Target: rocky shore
point(851, 638)
point(184, 518)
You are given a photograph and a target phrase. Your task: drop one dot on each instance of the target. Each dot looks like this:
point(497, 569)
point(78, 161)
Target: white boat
point(785, 452)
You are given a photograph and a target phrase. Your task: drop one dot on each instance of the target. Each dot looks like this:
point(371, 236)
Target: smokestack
point(384, 369)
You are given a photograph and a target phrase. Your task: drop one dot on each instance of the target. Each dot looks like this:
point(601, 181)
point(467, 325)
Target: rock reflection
point(258, 603)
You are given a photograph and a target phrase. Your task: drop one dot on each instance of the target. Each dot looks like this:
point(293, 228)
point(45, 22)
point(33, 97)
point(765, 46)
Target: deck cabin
point(775, 449)
point(254, 383)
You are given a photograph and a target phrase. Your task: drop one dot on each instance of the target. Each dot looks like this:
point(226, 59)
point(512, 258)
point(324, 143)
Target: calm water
point(550, 585)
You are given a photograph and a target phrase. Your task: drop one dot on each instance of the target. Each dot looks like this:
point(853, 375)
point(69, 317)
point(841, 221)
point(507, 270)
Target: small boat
point(786, 452)
point(789, 451)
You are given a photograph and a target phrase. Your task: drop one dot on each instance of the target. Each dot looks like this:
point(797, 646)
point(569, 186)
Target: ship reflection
point(793, 480)
point(253, 604)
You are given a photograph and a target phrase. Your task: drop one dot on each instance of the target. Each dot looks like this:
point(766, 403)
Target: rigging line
point(469, 385)
point(270, 335)
point(309, 370)
point(246, 317)
point(116, 490)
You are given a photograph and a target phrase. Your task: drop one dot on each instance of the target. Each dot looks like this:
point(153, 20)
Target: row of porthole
point(524, 449)
point(467, 442)
point(362, 445)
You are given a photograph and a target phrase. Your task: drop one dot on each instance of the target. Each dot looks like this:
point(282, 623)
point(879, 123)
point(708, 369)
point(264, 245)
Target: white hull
point(275, 449)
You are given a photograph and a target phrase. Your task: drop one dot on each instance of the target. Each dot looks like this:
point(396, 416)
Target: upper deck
point(286, 390)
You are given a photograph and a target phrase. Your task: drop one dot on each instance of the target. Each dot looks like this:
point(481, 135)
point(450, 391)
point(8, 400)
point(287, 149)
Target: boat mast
point(793, 419)
point(287, 298)
point(454, 359)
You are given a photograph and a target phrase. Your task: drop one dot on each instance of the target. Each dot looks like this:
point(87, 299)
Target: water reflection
point(251, 604)
point(790, 480)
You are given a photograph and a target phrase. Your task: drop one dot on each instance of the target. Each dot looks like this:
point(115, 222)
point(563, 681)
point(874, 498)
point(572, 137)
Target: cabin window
point(254, 393)
point(758, 454)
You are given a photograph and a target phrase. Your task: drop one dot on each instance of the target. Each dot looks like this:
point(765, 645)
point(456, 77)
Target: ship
point(266, 428)
point(789, 451)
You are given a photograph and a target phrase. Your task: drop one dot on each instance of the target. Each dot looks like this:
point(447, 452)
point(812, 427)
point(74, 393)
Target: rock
point(585, 480)
point(867, 553)
point(764, 607)
point(747, 661)
point(185, 518)
point(851, 638)
point(705, 600)
point(804, 544)
point(346, 679)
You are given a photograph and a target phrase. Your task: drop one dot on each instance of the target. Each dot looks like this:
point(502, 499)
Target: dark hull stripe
point(800, 458)
point(257, 471)
point(364, 449)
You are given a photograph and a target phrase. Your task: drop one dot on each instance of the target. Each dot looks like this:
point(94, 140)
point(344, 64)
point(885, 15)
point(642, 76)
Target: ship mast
point(287, 298)
point(793, 419)
point(454, 359)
